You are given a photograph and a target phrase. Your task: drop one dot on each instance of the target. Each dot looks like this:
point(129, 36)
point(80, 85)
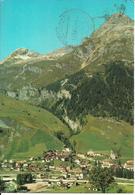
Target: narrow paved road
point(63, 180)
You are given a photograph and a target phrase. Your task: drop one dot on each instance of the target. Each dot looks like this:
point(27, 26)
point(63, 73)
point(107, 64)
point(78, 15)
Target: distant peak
point(24, 52)
point(20, 51)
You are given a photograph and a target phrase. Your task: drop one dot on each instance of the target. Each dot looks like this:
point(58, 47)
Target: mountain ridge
point(94, 79)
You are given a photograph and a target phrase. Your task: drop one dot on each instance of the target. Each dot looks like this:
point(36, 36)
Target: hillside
point(24, 74)
point(26, 130)
point(104, 135)
point(106, 94)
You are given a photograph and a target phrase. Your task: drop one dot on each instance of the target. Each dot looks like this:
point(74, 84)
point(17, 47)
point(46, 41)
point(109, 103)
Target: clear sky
point(32, 23)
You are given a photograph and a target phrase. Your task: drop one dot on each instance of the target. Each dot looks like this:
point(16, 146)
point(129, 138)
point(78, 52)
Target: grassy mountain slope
point(100, 134)
point(26, 130)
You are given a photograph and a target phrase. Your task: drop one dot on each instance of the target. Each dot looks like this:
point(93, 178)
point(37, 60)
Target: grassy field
point(27, 130)
point(123, 187)
point(104, 135)
point(74, 189)
point(128, 188)
point(84, 188)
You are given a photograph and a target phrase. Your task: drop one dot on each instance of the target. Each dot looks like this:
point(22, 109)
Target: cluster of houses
point(44, 168)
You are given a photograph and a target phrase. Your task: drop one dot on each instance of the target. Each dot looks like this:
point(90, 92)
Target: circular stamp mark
point(73, 26)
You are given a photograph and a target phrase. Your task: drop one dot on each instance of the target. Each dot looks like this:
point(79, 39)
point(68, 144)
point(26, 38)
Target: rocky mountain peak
point(21, 55)
point(109, 41)
point(119, 19)
point(24, 52)
point(20, 51)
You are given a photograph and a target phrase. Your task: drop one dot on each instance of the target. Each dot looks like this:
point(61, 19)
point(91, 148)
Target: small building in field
point(107, 163)
point(94, 154)
point(129, 165)
point(90, 153)
point(81, 156)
